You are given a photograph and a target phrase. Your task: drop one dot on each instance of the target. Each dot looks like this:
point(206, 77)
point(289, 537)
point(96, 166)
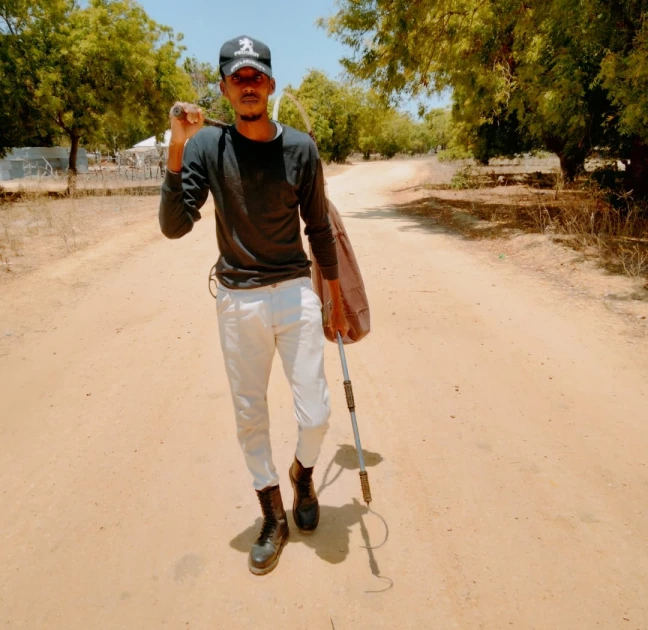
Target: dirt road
point(504, 418)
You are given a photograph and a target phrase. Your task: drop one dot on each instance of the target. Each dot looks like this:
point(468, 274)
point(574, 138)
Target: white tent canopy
point(151, 143)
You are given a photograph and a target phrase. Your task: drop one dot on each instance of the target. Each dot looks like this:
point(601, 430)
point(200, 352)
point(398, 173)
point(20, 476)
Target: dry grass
point(617, 228)
point(491, 202)
point(65, 229)
point(39, 229)
point(11, 240)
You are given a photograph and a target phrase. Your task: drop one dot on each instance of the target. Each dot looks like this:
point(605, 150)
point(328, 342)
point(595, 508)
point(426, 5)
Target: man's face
point(248, 91)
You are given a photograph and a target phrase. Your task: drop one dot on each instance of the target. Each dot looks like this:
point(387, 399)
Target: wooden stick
point(180, 113)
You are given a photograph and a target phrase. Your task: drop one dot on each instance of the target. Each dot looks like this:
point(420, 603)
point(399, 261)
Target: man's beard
point(251, 117)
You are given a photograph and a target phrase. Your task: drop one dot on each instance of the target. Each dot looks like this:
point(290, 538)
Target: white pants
point(252, 322)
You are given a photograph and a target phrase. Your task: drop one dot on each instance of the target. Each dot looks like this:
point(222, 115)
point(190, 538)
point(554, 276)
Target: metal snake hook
point(364, 478)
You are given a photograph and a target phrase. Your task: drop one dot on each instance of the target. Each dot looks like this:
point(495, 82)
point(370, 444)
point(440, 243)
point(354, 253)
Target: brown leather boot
point(305, 505)
point(265, 552)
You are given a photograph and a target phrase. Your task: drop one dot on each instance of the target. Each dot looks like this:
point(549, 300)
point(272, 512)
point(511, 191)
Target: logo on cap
point(247, 48)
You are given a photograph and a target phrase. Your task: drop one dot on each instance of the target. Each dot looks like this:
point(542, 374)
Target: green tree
point(347, 118)
point(24, 28)
point(373, 117)
point(105, 64)
point(568, 75)
point(439, 123)
point(205, 80)
point(558, 100)
point(466, 46)
point(624, 74)
point(334, 113)
point(399, 133)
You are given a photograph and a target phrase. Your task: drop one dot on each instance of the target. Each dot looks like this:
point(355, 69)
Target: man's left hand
point(338, 321)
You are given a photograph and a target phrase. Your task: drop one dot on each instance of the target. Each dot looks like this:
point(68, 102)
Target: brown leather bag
point(354, 296)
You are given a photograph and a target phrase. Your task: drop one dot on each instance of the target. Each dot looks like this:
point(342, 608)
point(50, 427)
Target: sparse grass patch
point(44, 228)
point(633, 259)
point(64, 226)
point(4, 258)
point(618, 232)
point(496, 201)
point(453, 154)
point(465, 179)
point(11, 232)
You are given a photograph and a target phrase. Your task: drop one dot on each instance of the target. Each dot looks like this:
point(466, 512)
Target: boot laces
point(303, 483)
point(269, 518)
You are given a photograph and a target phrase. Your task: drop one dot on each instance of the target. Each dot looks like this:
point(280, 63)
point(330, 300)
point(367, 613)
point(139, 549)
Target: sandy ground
point(502, 403)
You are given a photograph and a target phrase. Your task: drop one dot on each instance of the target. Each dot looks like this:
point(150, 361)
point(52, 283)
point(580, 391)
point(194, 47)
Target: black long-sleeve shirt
point(260, 190)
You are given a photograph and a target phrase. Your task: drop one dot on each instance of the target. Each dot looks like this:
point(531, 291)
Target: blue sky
point(286, 26)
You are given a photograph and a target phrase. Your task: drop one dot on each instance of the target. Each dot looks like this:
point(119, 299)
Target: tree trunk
point(637, 170)
point(72, 164)
point(571, 165)
point(572, 162)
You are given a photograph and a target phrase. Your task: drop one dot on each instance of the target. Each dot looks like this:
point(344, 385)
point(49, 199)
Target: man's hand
point(181, 131)
point(338, 321)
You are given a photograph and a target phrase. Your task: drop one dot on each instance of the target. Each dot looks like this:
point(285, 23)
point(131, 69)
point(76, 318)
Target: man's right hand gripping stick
point(180, 113)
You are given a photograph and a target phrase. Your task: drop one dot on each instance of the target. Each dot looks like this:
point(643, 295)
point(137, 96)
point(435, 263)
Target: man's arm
point(184, 191)
point(314, 212)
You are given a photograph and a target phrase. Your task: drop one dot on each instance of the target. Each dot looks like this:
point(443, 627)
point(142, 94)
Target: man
point(262, 177)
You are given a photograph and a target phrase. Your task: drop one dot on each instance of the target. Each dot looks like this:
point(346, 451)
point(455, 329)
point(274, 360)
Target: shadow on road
point(331, 541)
point(346, 458)
point(470, 219)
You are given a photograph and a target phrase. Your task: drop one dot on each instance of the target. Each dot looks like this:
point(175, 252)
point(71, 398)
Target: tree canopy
point(348, 119)
point(89, 73)
point(569, 76)
point(205, 80)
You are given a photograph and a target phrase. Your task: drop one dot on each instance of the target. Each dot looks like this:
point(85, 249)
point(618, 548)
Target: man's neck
point(262, 130)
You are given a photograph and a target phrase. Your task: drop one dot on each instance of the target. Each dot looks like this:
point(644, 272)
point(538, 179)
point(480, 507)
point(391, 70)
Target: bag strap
point(300, 108)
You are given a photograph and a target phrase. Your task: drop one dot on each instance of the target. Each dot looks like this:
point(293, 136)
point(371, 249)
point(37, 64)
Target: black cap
point(244, 52)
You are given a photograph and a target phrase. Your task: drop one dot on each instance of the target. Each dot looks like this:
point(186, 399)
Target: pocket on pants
point(311, 294)
point(312, 309)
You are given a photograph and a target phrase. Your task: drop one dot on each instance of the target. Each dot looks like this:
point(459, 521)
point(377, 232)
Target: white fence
point(39, 162)
point(51, 163)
